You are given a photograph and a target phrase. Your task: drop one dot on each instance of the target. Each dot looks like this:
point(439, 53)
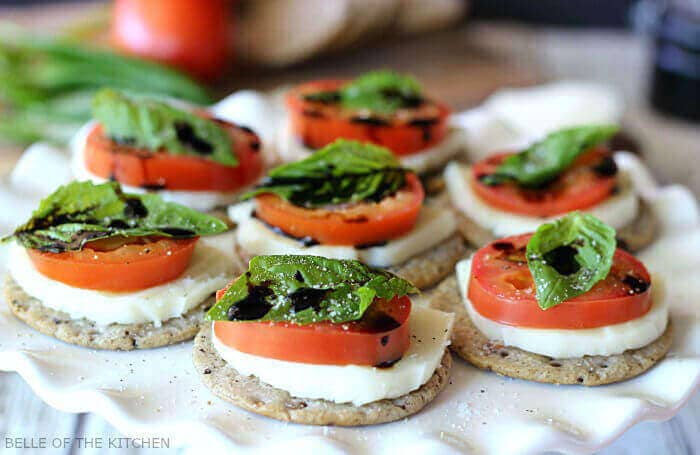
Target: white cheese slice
point(618, 210)
point(430, 334)
point(571, 343)
point(198, 200)
point(210, 269)
point(430, 159)
point(432, 227)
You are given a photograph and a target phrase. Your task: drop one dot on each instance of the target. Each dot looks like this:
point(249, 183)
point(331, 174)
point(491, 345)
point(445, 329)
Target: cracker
point(249, 393)
point(471, 345)
point(83, 332)
point(430, 267)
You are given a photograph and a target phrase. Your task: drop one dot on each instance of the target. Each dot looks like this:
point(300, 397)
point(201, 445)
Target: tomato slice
point(359, 224)
point(380, 338)
point(188, 34)
point(579, 187)
point(406, 132)
point(140, 264)
point(501, 288)
point(160, 170)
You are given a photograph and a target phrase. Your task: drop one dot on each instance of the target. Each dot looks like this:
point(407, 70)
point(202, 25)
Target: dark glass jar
point(675, 85)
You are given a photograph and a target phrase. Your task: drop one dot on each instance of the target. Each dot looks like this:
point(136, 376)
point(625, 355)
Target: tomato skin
point(363, 223)
point(316, 131)
point(360, 342)
point(578, 188)
point(128, 268)
point(187, 34)
point(501, 289)
point(144, 168)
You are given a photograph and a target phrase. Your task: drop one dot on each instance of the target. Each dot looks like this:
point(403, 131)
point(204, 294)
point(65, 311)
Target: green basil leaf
point(545, 160)
point(381, 92)
point(306, 289)
point(156, 125)
point(79, 212)
point(569, 256)
point(344, 171)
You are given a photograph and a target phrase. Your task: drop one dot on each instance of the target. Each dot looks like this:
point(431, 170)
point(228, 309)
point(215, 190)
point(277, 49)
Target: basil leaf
point(344, 171)
point(155, 125)
point(79, 212)
point(569, 256)
point(306, 289)
point(382, 92)
point(544, 161)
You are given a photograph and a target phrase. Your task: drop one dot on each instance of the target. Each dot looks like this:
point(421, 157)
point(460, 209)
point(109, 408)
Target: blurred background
point(54, 54)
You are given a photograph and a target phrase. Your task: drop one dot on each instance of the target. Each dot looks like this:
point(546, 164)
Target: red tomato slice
point(501, 288)
point(127, 267)
point(188, 34)
point(363, 223)
point(380, 338)
point(160, 170)
point(578, 188)
point(408, 131)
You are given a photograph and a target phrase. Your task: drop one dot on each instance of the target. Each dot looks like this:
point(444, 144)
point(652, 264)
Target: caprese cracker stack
point(149, 145)
point(562, 305)
point(350, 201)
point(570, 169)
point(323, 341)
point(381, 107)
point(97, 267)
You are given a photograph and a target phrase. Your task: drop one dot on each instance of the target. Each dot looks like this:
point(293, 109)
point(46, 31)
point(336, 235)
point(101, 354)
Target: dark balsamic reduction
point(606, 167)
point(153, 186)
point(637, 285)
point(384, 340)
point(177, 232)
point(187, 136)
point(134, 208)
point(562, 260)
point(365, 246)
point(379, 322)
point(506, 247)
point(304, 298)
point(299, 277)
point(387, 364)
point(253, 306)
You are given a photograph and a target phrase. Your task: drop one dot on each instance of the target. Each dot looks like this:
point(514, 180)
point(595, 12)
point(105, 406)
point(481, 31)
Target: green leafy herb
point(306, 289)
point(569, 256)
point(82, 211)
point(381, 92)
point(344, 171)
point(46, 85)
point(544, 161)
point(155, 125)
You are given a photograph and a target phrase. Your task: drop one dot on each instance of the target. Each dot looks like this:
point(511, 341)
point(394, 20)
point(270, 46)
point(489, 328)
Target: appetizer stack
point(307, 314)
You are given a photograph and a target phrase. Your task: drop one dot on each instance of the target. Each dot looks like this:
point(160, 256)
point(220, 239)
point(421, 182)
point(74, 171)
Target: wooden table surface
point(462, 66)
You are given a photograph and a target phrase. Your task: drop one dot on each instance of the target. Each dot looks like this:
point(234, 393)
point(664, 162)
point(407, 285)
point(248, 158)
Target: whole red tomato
point(192, 35)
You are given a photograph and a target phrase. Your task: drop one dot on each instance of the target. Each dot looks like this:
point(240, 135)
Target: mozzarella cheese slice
point(210, 269)
point(571, 343)
point(356, 384)
point(198, 200)
point(430, 159)
point(432, 227)
point(618, 210)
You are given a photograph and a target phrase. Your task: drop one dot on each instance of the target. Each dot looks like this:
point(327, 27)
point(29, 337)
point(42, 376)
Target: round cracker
point(471, 345)
point(117, 337)
point(424, 270)
point(634, 237)
point(249, 393)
